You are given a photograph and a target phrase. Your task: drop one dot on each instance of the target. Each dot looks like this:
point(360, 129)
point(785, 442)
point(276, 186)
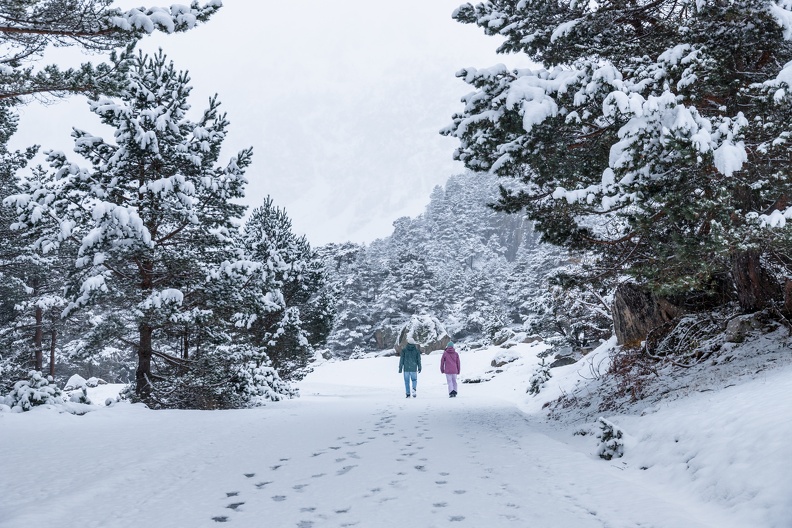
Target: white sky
point(342, 102)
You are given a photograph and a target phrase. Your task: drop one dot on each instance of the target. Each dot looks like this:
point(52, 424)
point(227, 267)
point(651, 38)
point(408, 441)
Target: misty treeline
point(476, 270)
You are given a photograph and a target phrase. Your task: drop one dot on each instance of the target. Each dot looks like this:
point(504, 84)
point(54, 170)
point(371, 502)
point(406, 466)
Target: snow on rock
point(75, 382)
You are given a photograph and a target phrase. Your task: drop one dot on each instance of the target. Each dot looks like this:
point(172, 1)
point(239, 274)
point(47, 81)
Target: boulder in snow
point(502, 336)
point(739, 327)
point(76, 382)
point(427, 331)
point(503, 358)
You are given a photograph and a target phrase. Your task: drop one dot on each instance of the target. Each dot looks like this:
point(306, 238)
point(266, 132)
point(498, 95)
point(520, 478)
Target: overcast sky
point(341, 100)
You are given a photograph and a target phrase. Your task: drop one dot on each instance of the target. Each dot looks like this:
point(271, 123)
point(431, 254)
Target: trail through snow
point(352, 451)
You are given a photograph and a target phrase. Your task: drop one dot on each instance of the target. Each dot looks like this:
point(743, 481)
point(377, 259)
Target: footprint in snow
point(235, 505)
point(232, 493)
point(440, 504)
point(250, 475)
point(441, 482)
point(344, 470)
point(344, 510)
point(273, 468)
point(456, 518)
point(305, 524)
point(420, 468)
point(318, 475)
point(299, 487)
point(220, 518)
point(307, 510)
point(460, 492)
point(279, 498)
point(262, 484)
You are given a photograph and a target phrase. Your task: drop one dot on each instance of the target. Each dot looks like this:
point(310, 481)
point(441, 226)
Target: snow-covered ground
point(352, 451)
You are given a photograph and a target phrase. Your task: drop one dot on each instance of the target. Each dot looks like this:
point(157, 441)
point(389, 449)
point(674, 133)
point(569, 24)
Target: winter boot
point(408, 395)
point(414, 394)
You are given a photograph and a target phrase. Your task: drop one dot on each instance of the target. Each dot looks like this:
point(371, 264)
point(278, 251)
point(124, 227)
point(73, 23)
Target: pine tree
point(656, 134)
point(14, 358)
point(153, 216)
point(301, 317)
point(28, 27)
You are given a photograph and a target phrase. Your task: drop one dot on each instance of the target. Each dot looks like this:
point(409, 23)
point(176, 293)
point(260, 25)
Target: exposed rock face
point(636, 312)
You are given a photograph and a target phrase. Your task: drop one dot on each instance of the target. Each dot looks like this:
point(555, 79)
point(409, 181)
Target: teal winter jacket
point(410, 359)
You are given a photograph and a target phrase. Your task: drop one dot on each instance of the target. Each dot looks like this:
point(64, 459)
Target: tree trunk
point(143, 378)
point(38, 338)
point(788, 296)
point(143, 372)
point(53, 343)
point(756, 288)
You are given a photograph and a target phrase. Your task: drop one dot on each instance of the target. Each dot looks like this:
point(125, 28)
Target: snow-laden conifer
point(28, 27)
point(287, 326)
point(656, 133)
point(153, 215)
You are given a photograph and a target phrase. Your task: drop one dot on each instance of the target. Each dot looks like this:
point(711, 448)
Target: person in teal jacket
point(410, 363)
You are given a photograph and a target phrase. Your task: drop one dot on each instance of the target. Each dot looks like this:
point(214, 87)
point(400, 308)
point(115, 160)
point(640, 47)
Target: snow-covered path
point(352, 451)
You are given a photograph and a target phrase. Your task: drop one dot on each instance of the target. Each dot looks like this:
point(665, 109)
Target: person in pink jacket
point(450, 366)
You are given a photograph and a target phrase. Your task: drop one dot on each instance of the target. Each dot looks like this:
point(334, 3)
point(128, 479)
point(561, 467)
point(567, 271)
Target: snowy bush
point(227, 377)
point(262, 384)
point(538, 378)
point(357, 353)
point(29, 393)
point(80, 396)
point(610, 437)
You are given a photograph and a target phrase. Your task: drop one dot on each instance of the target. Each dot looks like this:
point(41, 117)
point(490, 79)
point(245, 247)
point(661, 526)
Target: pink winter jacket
point(449, 363)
